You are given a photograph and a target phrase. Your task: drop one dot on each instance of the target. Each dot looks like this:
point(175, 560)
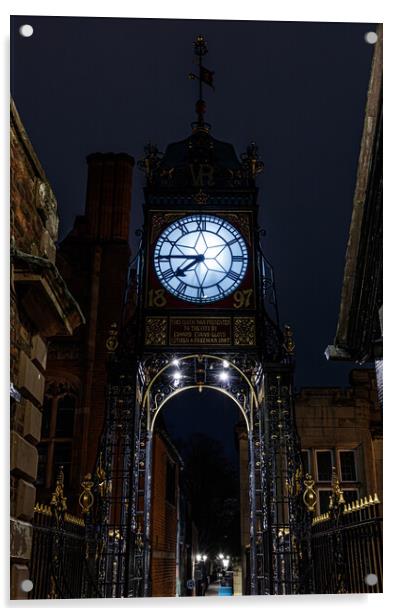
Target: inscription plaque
point(191, 331)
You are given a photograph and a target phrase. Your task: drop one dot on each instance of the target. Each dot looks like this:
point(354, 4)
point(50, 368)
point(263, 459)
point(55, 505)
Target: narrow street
point(212, 590)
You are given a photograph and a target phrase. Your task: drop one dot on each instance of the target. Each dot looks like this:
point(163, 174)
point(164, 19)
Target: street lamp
point(221, 556)
point(225, 563)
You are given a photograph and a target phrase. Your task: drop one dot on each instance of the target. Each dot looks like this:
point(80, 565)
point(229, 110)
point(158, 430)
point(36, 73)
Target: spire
point(205, 76)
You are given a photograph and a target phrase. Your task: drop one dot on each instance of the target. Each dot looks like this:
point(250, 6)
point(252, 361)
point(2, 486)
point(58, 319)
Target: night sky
point(298, 89)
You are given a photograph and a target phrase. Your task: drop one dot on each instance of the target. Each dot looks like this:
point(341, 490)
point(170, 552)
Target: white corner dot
point(371, 37)
point(371, 579)
point(26, 585)
point(26, 30)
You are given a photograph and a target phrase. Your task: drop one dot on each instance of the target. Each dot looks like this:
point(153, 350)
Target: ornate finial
point(251, 160)
point(58, 500)
point(102, 481)
point(205, 76)
point(337, 496)
point(309, 496)
point(288, 344)
point(86, 499)
point(112, 340)
point(150, 162)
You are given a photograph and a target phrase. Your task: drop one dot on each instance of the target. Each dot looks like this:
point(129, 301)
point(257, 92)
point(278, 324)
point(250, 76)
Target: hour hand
point(194, 259)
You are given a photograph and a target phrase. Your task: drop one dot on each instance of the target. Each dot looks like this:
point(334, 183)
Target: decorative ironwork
point(86, 499)
point(288, 344)
point(201, 198)
point(58, 502)
point(309, 495)
point(244, 331)
point(58, 567)
point(251, 160)
point(156, 331)
point(347, 547)
point(112, 340)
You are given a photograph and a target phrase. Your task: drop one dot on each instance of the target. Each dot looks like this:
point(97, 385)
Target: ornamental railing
point(61, 549)
point(347, 546)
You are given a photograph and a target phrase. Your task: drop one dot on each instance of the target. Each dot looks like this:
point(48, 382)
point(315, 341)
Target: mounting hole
point(371, 38)
point(26, 30)
point(371, 579)
point(26, 585)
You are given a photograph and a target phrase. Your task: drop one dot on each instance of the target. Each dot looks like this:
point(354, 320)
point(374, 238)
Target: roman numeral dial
point(200, 258)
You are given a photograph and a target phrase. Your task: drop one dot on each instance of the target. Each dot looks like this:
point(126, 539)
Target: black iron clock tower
point(206, 318)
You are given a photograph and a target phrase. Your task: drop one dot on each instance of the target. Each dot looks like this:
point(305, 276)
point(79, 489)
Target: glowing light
point(225, 363)
point(198, 558)
point(177, 376)
point(225, 562)
point(221, 556)
point(175, 362)
point(223, 376)
point(204, 557)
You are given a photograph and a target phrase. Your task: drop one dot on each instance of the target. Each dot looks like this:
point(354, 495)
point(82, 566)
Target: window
point(55, 448)
point(350, 496)
point(305, 455)
point(170, 483)
point(348, 465)
point(46, 417)
point(41, 465)
point(62, 457)
point(324, 500)
point(324, 465)
point(65, 416)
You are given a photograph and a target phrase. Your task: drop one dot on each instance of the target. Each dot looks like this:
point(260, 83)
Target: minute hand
point(196, 259)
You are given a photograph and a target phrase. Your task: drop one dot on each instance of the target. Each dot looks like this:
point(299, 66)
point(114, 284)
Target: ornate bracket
point(309, 495)
point(86, 499)
point(58, 500)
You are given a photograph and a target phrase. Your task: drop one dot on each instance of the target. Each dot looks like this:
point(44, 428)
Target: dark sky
point(298, 89)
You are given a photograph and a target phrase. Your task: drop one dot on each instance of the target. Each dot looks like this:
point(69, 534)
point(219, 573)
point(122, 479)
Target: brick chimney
point(108, 197)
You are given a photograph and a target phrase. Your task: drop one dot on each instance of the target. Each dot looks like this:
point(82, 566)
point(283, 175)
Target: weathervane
point(205, 76)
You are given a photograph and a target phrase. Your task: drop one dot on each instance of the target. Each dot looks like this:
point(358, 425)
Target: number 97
point(242, 299)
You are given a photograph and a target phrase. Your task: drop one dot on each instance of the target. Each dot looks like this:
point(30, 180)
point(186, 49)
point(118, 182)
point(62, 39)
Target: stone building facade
point(41, 307)
point(359, 330)
point(338, 427)
point(342, 428)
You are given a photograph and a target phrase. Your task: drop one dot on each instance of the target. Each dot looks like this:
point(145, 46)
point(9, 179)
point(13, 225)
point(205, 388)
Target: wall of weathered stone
point(34, 227)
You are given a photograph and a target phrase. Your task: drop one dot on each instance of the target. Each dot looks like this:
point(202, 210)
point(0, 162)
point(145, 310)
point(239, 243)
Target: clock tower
point(206, 317)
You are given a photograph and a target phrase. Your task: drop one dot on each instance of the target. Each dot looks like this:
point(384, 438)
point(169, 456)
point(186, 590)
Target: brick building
point(167, 558)
point(94, 260)
point(41, 307)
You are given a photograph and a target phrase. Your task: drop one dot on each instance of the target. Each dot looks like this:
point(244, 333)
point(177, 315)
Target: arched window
point(55, 448)
point(65, 416)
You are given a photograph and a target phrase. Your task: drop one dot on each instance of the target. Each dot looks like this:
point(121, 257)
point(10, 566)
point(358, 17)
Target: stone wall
point(34, 288)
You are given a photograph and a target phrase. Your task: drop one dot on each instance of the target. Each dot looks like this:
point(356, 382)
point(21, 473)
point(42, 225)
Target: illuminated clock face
point(200, 258)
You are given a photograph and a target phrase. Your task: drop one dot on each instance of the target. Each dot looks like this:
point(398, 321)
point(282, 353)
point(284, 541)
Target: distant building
point(359, 330)
point(41, 307)
point(94, 260)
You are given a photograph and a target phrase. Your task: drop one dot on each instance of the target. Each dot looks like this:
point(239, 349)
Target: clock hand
point(167, 257)
point(196, 259)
